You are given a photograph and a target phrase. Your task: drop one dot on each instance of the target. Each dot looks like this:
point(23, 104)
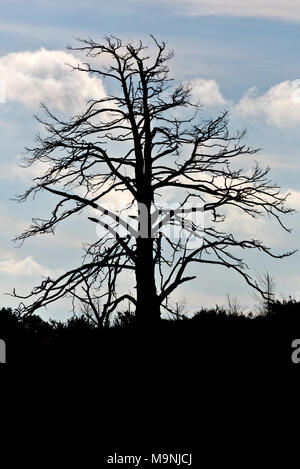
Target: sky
point(240, 55)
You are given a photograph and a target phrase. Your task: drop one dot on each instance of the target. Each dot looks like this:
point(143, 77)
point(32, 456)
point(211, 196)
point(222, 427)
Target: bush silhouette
point(212, 335)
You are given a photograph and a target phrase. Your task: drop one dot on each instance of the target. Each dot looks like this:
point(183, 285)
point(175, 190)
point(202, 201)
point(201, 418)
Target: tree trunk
point(148, 308)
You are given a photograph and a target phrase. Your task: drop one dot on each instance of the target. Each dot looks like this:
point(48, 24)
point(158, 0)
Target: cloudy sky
point(242, 55)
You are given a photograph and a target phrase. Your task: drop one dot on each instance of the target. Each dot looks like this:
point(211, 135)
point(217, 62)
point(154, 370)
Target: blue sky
point(248, 54)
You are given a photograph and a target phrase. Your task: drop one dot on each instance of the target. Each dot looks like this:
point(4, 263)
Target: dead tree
point(145, 140)
point(265, 301)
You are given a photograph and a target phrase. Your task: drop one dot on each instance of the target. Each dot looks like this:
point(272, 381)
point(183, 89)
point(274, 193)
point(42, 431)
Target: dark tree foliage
point(212, 338)
point(144, 140)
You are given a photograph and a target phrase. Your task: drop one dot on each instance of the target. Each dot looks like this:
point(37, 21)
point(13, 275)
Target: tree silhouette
point(268, 285)
point(147, 140)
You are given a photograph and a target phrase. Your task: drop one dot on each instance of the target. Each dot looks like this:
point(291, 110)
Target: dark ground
point(212, 339)
point(214, 385)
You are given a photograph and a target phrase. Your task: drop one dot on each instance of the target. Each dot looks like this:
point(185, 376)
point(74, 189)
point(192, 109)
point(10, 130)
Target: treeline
point(218, 334)
point(285, 311)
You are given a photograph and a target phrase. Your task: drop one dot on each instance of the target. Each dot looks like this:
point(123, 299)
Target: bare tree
point(146, 140)
point(233, 307)
point(265, 301)
point(177, 312)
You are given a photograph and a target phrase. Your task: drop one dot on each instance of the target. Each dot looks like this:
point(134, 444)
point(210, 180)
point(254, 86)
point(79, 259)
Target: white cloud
point(207, 92)
point(32, 77)
point(263, 228)
point(280, 105)
point(16, 171)
point(294, 199)
point(276, 9)
point(25, 267)
point(280, 161)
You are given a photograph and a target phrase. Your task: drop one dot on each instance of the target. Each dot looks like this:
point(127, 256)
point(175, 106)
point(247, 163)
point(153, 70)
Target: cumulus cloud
point(244, 227)
point(25, 267)
point(32, 77)
point(286, 10)
point(207, 92)
point(285, 161)
point(294, 199)
point(280, 105)
point(14, 170)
